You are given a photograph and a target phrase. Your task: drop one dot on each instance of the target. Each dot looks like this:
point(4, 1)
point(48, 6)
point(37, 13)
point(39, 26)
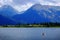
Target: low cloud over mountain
point(22, 5)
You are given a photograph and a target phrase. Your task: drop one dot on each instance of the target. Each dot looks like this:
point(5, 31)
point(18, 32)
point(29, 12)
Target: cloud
point(22, 5)
point(47, 2)
point(24, 1)
point(18, 6)
point(6, 2)
point(52, 2)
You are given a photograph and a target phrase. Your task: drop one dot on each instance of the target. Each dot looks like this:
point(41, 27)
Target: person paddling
point(43, 34)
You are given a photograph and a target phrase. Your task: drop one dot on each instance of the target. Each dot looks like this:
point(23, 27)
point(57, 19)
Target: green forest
point(33, 25)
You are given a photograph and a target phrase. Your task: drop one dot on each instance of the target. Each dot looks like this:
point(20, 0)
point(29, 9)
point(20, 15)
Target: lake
point(29, 33)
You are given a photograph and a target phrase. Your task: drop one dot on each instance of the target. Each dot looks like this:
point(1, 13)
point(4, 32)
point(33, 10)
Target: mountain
point(55, 11)
point(6, 21)
point(35, 14)
point(7, 11)
point(39, 14)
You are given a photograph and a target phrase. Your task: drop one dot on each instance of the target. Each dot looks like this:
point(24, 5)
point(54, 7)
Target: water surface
point(29, 33)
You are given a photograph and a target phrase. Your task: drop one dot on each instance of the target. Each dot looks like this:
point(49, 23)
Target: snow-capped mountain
point(39, 14)
point(36, 14)
point(7, 11)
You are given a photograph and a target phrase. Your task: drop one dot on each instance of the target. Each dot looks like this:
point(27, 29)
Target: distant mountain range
point(7, 11)
point(36, 14)
point(39, 14)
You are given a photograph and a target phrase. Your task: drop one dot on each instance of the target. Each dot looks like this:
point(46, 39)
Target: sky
point(22, 5)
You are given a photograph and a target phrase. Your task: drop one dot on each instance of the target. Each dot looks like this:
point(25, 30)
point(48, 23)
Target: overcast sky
point(22, 5)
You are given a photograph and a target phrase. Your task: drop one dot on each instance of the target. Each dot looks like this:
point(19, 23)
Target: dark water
point(29, 33)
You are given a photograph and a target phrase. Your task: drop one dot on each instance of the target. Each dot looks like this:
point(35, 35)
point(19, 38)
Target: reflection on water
point(29, 33)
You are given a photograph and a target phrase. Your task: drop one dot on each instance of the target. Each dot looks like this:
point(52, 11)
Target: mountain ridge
point(39, 14)
point(36, 14)
point(7, 11)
